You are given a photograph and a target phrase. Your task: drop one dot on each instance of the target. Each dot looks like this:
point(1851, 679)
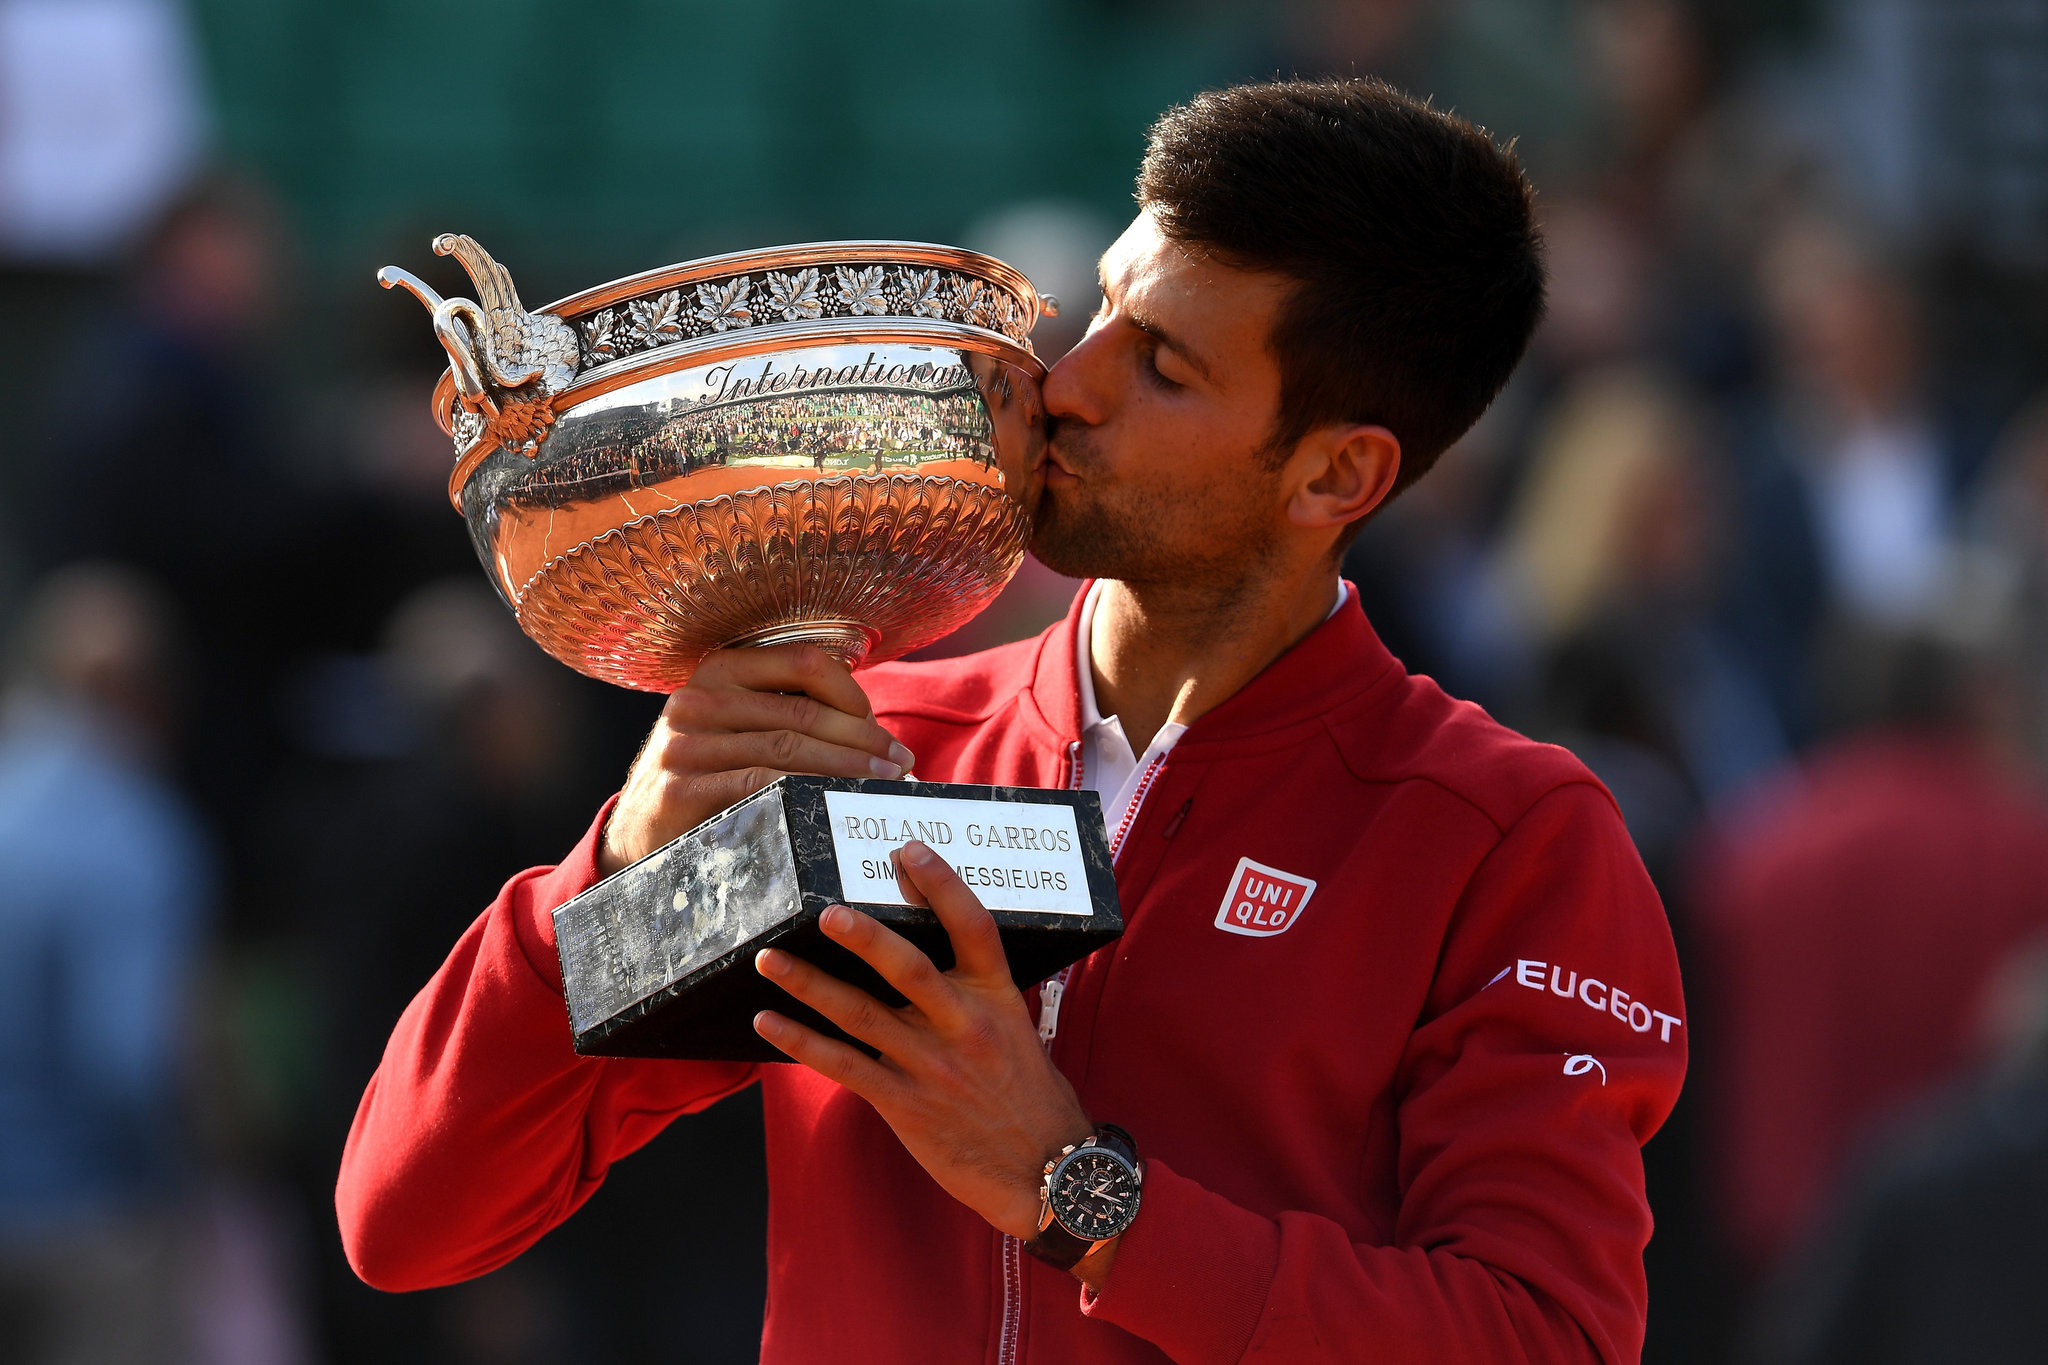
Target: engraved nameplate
point(1014, 856)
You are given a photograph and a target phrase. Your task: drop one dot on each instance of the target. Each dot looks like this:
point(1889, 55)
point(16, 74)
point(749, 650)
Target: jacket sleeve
point(482, 1128)
point(1523, 1101)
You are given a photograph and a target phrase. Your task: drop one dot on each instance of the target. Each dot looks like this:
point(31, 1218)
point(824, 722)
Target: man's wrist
point(1093, 1269)
point(610, 856)
point(1074, 1131)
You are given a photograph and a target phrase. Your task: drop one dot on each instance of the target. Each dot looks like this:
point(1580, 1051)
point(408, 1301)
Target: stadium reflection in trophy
point(837, 443)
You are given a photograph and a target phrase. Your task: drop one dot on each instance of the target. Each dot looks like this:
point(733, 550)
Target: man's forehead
point(1145, 258)
point(1147, 269)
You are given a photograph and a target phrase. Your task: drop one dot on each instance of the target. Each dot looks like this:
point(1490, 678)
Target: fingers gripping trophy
point(836, 444)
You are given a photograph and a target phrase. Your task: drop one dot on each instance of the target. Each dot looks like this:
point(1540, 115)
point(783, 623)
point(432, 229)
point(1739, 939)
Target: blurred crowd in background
point(1759, 531)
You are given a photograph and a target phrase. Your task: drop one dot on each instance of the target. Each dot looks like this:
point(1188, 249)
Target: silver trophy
point(838, 443)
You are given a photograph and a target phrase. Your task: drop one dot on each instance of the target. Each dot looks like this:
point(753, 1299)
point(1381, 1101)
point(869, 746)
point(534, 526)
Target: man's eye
point(1153, 375)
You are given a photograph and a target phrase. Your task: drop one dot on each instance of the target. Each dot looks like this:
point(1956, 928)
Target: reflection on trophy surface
point(838, 444)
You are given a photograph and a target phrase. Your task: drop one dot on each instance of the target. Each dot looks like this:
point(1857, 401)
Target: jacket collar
point(1055, 690)
point(1339, 659)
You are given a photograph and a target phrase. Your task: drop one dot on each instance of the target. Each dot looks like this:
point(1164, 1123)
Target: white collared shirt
point(1108, 766)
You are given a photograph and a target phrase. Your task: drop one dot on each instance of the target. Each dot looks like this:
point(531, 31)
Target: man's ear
point(1341, 473)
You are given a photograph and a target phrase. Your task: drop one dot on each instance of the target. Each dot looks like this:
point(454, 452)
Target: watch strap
point(1057, 1247)
point(1118, 1141)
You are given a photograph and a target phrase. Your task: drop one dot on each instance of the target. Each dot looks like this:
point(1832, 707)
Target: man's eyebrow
point(1151, 327)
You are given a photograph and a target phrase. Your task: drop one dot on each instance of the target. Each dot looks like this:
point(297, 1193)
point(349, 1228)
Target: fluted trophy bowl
point(838, 443)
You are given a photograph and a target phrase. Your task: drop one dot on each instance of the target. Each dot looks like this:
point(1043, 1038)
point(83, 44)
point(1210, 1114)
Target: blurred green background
point(589, 141)
point(1782, 441)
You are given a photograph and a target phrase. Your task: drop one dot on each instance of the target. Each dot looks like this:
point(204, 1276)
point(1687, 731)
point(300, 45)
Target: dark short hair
point(1411, 238)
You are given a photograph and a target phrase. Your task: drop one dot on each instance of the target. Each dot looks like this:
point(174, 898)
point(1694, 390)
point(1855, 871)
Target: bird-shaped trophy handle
point(507, 364)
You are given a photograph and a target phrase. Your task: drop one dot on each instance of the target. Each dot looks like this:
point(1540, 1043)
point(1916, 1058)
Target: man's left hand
point(962, 1079)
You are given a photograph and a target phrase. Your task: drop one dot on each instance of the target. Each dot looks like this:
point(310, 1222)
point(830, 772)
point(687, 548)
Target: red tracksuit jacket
point(1404, 1128)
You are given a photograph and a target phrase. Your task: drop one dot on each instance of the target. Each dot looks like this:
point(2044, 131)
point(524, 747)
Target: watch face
point(1094, 1194)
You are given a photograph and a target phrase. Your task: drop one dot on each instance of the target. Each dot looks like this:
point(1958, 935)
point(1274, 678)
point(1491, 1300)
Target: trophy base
point(658, 959)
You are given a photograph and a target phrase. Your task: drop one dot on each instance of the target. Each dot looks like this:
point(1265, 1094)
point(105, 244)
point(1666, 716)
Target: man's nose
point(1078, 386)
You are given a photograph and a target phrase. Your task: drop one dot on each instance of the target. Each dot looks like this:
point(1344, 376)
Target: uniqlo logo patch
point(1262, 901)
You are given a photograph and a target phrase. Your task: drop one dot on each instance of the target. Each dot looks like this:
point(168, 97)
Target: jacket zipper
point(1054, 987)
point(1049, 996)
point(1123, 829)
point(1013, 1298)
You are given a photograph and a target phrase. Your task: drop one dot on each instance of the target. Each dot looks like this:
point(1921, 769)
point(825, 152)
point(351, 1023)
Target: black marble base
point(658, 960)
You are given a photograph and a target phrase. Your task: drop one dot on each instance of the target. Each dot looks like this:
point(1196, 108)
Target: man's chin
point(1064, 565)
point(1049, 545)
point(1075, 546)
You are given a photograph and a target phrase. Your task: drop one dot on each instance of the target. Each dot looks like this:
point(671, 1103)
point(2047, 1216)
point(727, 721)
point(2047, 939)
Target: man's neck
point(1172, 653)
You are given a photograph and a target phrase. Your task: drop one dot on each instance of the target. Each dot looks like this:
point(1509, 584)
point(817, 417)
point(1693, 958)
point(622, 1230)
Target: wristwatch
point(1090, 1196)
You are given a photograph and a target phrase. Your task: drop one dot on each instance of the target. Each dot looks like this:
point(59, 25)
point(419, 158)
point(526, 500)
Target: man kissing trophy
point(1387, 1012)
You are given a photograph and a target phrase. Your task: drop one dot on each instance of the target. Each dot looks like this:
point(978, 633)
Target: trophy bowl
point(837, 443)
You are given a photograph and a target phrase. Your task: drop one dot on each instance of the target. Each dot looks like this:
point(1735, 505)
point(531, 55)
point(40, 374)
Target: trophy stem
point(846, 641)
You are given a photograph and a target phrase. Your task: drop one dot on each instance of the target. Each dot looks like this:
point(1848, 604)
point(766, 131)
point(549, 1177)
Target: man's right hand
point(745, 718)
